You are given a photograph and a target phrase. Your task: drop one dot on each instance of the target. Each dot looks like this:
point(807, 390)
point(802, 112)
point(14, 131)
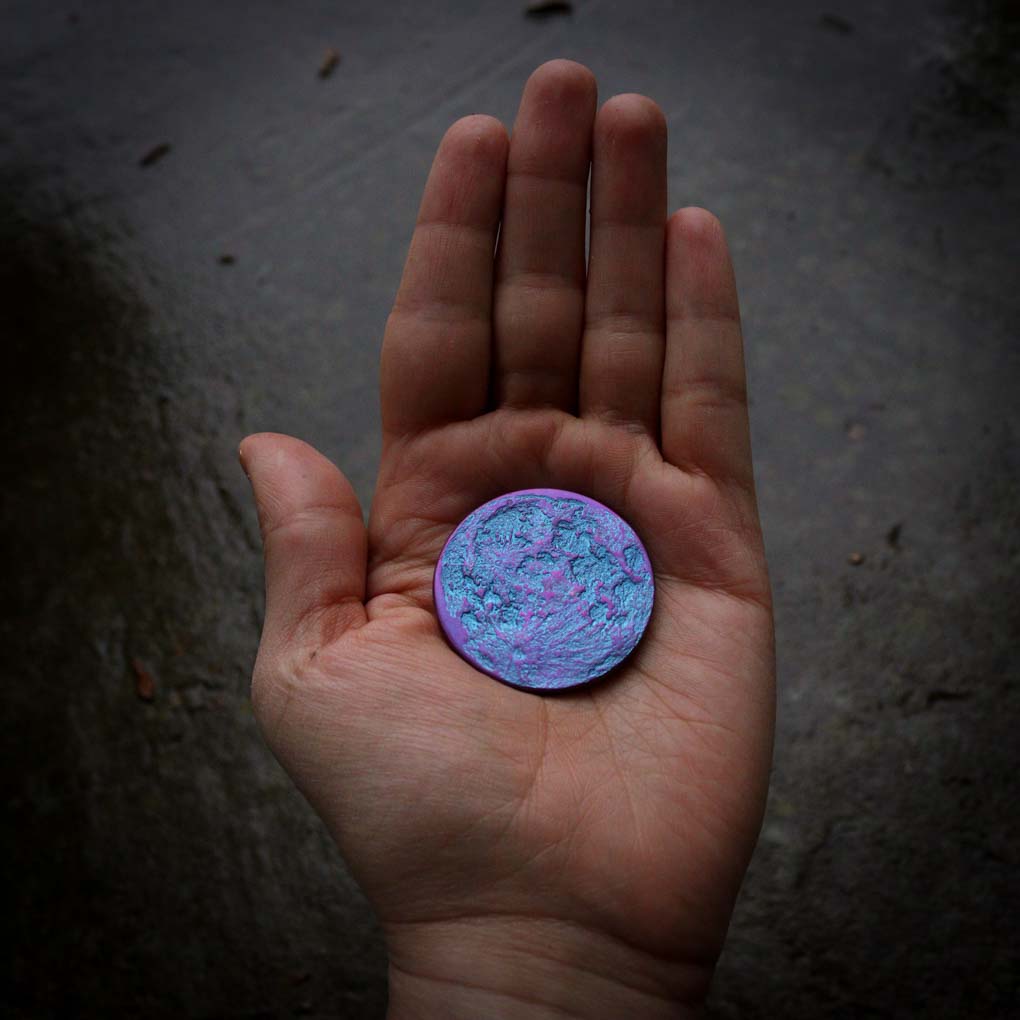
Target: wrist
point(514, 968)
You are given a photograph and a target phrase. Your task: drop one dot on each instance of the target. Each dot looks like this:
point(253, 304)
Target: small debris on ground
point(834, 23)
point(855, 559)
point(155, 154)
point(892, 536)
point(938, 694)
point(145, 684)
point(193, 698)
point(226, 259)
point(856, 431)
point(330, 61)
point(548, 8)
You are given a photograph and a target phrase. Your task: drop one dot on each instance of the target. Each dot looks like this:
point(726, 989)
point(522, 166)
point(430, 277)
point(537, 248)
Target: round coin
point(544, 589)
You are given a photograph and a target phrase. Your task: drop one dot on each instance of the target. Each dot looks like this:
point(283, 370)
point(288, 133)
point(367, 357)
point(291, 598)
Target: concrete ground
point(863, 159)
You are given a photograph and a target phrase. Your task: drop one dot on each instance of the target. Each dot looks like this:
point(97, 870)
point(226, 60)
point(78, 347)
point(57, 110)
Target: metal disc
point(544, 589)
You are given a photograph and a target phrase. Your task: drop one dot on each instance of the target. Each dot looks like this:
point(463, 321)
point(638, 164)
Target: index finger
point(435, 357)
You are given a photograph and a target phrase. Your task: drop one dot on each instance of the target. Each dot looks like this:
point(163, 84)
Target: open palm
point(612, 823)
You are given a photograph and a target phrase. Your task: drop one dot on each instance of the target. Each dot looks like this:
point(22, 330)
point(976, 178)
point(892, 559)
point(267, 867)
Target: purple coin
point(544, 589)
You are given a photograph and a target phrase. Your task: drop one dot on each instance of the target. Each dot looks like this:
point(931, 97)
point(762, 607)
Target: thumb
point(313, 539)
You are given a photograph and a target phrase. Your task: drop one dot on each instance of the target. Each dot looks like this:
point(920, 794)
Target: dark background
point(863, 159)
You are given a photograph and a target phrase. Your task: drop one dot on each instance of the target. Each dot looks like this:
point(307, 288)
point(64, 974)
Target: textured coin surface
point(544, 589)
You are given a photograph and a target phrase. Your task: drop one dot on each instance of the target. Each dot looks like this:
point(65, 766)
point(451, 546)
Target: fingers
point(704, 395)
point(622, 351)
point(435, 358)
point(539, 300)
point(313, 540)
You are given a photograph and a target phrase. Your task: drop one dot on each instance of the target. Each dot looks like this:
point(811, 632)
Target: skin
point(533, 855)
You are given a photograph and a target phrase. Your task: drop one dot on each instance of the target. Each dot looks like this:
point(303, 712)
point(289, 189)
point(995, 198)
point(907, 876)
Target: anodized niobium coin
point(544, 589)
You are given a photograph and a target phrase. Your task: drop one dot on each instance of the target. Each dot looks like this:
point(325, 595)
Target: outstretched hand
point(578, 852)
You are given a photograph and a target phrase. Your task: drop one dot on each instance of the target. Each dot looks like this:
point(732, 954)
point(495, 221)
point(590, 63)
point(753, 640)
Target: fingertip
point(477, 125)
point(561, 80)
point(287, 474)
point(247, 447)
point(631, 117)
point(478, 135)
point(697, 228)
point(251, 444)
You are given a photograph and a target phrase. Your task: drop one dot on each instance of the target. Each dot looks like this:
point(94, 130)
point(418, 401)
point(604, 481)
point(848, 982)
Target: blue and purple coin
point(544, 589)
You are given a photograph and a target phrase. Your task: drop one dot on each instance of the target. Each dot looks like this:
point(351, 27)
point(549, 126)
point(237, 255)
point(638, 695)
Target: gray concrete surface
point(863, 158)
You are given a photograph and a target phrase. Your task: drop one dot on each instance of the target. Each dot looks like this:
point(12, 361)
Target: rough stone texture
point(862, 157)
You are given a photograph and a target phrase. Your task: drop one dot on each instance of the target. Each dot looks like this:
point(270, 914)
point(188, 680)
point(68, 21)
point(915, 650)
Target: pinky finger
point(704, 390)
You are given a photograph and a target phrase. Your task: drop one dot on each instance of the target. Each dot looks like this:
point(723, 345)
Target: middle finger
point(539, 294)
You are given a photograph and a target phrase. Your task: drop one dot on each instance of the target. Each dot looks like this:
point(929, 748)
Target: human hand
point(531, 854)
